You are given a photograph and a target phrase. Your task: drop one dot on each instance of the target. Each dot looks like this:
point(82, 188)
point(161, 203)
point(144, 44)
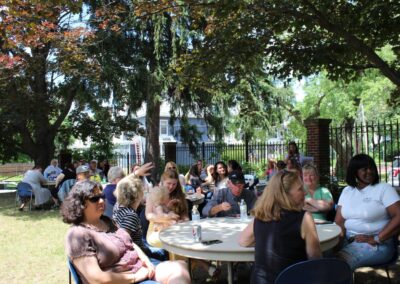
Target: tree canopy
point(294, 38)
point(50, 83)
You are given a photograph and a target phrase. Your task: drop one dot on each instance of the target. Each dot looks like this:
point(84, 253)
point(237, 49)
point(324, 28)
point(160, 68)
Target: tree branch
point(356, 44)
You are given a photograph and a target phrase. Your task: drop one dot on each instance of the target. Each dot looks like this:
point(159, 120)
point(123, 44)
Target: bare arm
point(59, 178)
point(224, 206)
point(393, 227)
point(319, 205)
point(309, 234)
point(339, 220)
point(147, 263)
point(246, 238)
point(89, 267)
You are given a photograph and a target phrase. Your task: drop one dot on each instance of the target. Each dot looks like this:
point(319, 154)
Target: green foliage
point(289, 39)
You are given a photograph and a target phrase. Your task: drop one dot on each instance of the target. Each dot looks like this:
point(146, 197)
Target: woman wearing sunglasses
point(282, 232)
point(102, 253)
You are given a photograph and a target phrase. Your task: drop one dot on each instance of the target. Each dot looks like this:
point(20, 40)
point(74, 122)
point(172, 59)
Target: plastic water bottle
point(195, 213)
point(243, 210)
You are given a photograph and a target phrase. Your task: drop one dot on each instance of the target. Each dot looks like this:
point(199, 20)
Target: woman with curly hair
point(103, 253)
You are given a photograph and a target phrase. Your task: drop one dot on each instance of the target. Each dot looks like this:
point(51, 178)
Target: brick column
point(170, 151)
point(318, 145)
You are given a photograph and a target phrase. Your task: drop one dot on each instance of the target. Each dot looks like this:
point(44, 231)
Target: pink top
point(113, 249)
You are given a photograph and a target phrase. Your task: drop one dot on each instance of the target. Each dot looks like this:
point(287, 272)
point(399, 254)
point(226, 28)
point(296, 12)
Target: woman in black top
point(281, 231)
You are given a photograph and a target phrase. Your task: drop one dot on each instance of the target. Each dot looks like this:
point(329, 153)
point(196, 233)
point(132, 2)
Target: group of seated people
point(63, 180)
point(283, 230)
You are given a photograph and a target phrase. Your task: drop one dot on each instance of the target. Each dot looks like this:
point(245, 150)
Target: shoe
point(21, 208)
point(55, 206)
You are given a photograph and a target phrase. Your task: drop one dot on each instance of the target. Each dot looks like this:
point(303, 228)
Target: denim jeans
point(363, 254)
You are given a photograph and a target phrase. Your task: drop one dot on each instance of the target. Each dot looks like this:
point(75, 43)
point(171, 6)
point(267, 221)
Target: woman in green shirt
point(318, 200)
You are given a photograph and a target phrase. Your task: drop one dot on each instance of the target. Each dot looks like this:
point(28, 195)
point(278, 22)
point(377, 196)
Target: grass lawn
point(32, 245)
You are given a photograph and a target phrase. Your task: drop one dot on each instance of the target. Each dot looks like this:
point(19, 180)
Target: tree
point(297, 38)
point(50, 85)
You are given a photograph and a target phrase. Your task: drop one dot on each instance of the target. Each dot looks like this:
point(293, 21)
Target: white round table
point(178, 239)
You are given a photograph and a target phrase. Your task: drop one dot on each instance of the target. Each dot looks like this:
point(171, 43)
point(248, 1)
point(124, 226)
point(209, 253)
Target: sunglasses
point(172, 168)
point(96, 198)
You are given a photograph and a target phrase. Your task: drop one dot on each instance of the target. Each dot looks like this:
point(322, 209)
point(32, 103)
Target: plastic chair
point(317, 271)
point(108, 209)
point(391, 262)
point(72, 272)
point(24, 191)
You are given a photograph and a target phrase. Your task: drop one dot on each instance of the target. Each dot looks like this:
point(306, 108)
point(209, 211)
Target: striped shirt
point(128, 219)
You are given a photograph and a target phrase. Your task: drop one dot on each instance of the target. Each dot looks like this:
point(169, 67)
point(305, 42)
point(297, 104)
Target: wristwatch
point(376, 239)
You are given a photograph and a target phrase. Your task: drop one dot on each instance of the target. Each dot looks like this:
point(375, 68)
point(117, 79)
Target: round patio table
point(178, 239)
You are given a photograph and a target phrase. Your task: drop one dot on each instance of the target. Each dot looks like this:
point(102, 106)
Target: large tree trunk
point(152, 135)
point(342, 144)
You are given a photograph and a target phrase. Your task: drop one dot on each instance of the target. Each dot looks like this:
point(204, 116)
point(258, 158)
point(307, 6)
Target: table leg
point(190, 267)
point(230, 272)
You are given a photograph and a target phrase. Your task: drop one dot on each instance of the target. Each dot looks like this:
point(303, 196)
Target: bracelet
point(376, 239)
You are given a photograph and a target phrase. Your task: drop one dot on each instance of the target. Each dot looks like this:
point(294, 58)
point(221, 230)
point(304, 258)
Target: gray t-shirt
point(225, 195)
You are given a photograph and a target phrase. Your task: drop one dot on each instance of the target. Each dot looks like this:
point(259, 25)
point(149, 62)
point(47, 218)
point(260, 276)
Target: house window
point(163, 127)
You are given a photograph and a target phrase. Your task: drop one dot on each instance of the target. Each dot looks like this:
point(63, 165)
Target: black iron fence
point(252, 156)
point(247, 154)
point(377, 139)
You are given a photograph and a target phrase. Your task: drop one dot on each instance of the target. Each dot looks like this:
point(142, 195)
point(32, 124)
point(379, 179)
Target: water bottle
point(243, 210)
point(195, 213)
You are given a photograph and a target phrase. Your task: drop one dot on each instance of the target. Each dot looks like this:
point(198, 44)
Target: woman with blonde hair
point(129, 195)
point(281, 231)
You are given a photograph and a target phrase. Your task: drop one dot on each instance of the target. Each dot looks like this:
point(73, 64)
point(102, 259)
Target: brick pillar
point(170, 151)
point(318, 145)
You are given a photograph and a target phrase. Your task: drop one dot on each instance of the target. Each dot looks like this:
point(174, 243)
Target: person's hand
point(225, 206)
point(365, 239)
point(144, 170)
point(141, 274)
point(173, 215)
point(309, 208)
point(150, 267)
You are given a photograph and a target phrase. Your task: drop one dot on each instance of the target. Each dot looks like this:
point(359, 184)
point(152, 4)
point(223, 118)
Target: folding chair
point(317, 271)
point(24, 192)
point(72, 272)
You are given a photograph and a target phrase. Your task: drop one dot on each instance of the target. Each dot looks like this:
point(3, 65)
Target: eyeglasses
point(96, 198)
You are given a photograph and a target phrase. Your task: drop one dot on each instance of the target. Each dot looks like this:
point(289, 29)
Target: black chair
point(72, 273)
point(317, 271)
point(24, 194)
point(391, 262)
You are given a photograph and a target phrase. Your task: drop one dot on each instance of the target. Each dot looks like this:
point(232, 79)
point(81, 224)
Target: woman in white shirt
point(369, 215)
